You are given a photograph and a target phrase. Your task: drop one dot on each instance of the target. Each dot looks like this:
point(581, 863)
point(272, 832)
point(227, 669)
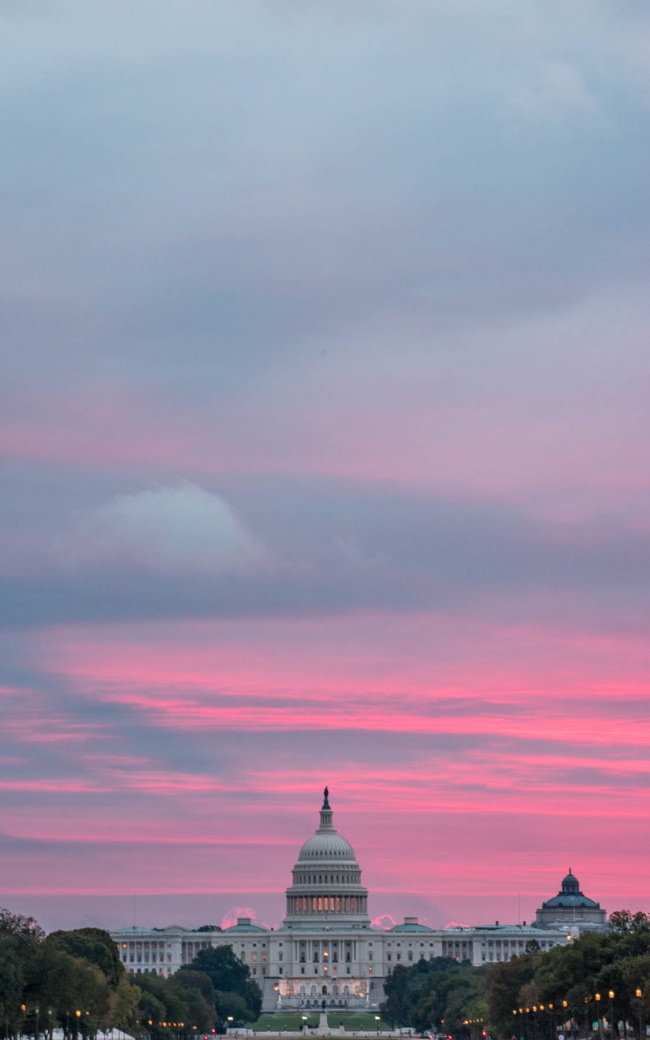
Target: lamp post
point(639, 996)
point(36, 1029)
point(377, 1020)
point(77, 1016)
point(600, 1021)
point(611, 995)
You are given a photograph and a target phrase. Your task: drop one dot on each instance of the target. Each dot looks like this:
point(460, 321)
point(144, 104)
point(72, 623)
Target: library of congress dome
point(327, 954)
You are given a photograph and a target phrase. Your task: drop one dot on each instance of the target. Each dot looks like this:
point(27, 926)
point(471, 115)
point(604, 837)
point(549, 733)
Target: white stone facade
point(325, 950)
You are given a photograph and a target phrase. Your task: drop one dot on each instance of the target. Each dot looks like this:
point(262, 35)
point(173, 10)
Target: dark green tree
point(20, 938)
point(196, 980)
point(229, 975)
point(170, 1008)
point(94, 945)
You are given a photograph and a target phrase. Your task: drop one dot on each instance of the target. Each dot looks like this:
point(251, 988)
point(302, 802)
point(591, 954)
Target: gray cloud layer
point(181, 551)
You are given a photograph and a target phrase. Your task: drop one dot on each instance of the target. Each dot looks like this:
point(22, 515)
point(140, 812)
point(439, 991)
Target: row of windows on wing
point(348, 878)
point(497, 949)
point(262, 958)
point(327, 904)
point(334, 959)
point(145, 953)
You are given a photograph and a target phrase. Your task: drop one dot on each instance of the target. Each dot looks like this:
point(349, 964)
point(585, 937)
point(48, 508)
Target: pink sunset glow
point(324, 427)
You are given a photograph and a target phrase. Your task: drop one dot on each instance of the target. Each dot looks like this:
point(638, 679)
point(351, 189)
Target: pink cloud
point(453, 751)
point(230, 918)
point(383, 922)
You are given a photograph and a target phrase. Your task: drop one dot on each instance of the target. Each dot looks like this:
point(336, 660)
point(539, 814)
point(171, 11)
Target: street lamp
point(611, 995)
point(377, 1020)
point(36, 1011)
point(600, 1021)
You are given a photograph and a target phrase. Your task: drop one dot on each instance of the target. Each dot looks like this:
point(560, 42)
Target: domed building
point(327, 887)
point(329, 954)
point(326, 954)
point(571, 907)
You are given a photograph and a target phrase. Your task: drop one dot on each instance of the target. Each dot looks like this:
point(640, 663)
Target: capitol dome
point(327, 845)
point(327, 887)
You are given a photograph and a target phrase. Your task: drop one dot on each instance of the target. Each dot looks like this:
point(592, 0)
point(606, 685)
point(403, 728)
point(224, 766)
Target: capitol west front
point(325, 950)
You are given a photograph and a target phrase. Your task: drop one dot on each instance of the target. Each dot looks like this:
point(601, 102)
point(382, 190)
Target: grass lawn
point(292, 1021)
point(358, 1022)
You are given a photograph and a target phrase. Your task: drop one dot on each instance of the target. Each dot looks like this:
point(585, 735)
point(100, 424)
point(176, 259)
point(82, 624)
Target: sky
point(324, 420)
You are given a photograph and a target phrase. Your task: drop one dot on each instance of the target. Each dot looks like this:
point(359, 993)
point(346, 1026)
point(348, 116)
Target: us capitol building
point(326, 951)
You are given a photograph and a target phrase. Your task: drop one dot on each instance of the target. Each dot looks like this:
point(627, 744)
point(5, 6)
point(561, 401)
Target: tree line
point(75, 981)
point(597, 985)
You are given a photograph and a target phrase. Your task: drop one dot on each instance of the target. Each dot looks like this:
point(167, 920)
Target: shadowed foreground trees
point(236, 994)
point(170, 1008)
point(560, 987)
point(439, 994)
point(75, 981)
point(601, 977)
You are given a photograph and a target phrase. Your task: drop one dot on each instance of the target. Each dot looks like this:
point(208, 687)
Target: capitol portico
point(326, 952)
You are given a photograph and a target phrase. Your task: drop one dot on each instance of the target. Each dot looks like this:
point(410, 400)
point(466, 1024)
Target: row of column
point(326, 904)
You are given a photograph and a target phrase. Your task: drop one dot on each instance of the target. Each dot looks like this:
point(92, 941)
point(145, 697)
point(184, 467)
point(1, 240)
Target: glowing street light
point(638, 993)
